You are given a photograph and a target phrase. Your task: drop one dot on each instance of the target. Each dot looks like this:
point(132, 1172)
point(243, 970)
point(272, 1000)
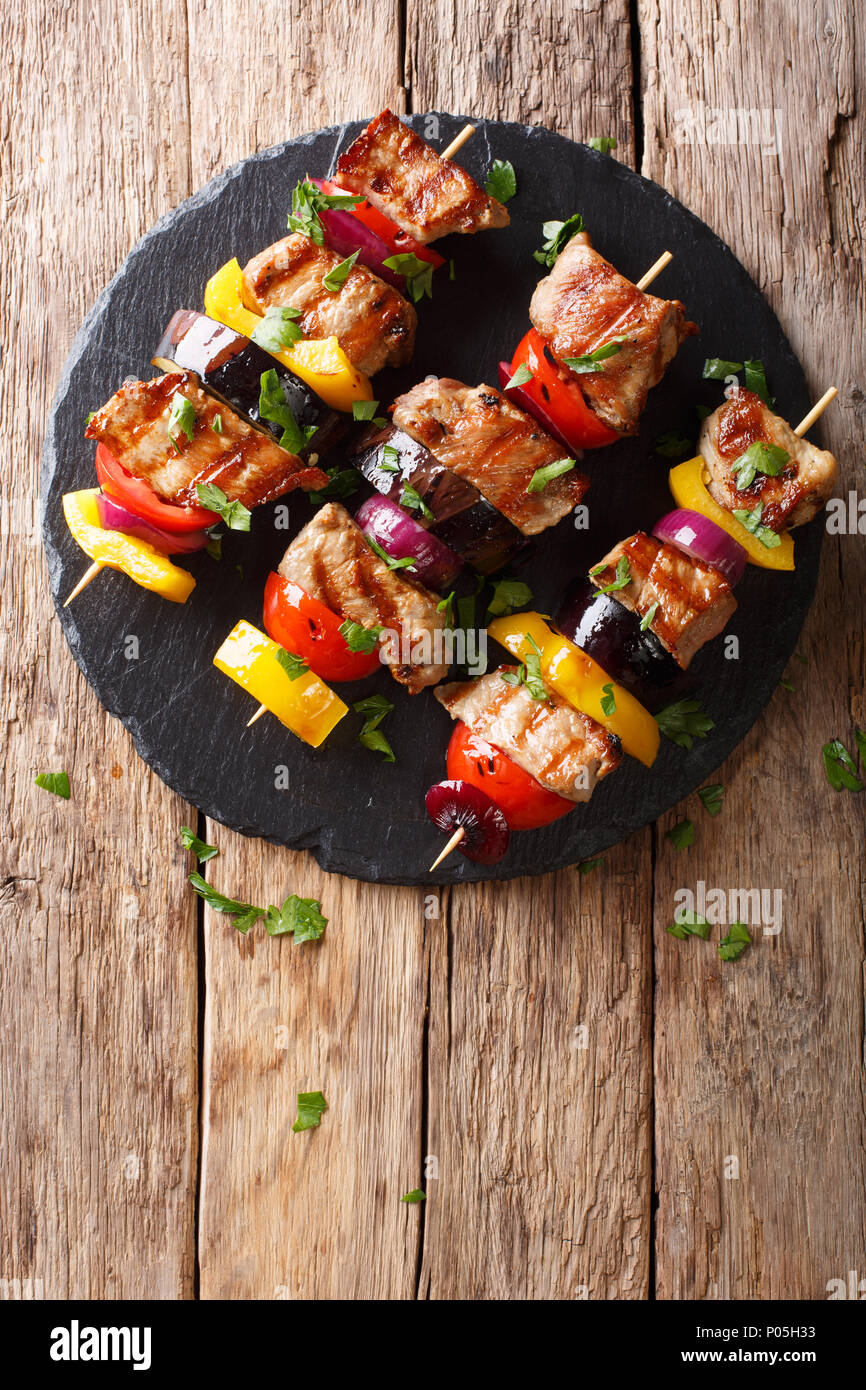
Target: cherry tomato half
point(523, 801)
point(308, 628)
point(140, 498)
point(562, 399)
point(401, 243)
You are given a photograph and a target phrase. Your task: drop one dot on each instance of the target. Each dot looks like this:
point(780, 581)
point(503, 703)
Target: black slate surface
point(359, 815)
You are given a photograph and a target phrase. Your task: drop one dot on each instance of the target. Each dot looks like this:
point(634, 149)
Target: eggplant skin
point(230, 366)
point(463, 519)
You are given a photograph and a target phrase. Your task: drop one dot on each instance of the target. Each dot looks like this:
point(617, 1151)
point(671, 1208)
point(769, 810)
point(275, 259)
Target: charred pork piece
point(231, 366)
point(567, 752)
point(585, 303)
point(374, 324)
point(425, 195)
point(247, 464)
point(464, 520)
point(686, 603)
point(331, 561)
point(478, 434)
point(741, 440)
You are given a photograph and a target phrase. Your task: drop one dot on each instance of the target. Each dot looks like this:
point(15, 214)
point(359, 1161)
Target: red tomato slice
point(308, 628)
point(564, 400)
point(140, 498)
point(523, 801)
point(401, 243)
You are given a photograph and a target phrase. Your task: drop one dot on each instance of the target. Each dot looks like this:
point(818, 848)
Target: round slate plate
point(358, 814)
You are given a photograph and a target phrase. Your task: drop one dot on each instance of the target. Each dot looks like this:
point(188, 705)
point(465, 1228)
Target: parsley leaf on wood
point(416, 1195)
point(311, 1107)
point(202, 851)
point(840, 767)
point(302, 917)
point(712, 798)
point(687, 924)
point(55, 782)
point(243, 915)
point(681, 835)
point(734, 944)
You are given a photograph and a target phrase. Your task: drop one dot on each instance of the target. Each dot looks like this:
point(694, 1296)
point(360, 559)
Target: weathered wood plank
point(760, 1062)
point(313, 1215)
point(539, 1031)
point(97, 1133)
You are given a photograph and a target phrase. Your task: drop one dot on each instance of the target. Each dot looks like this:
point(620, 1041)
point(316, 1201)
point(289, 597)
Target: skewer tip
point(451, 845)
point(458, 142)
point(816, 412)
point(655, 269)
point(86, 578)
point(262, 709)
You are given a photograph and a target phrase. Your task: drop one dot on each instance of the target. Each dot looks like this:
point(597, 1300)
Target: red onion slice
point(701, 538)
point(402, 538)
point(346, 234)
point(115, 517)
point(518, 397)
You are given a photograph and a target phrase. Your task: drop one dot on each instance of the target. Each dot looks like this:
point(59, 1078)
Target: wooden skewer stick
point(816, 412)
point(452, 844)
point(655, 269)
point(262, 709)
point(458, 142)
point(83, 582)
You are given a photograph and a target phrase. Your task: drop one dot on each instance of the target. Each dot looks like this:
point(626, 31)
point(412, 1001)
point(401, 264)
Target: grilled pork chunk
point(331, 561)
point(247, 464)
point(374, 324)
point(584, 303)
point(567, 752)
point(792, 497)
point(694, 601)
point(401, 175)
point(482, 437)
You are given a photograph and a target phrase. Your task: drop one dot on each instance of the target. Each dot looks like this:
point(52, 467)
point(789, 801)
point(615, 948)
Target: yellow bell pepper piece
point(115, 550)
point(320, 362)
point(580, 681)
point(306, 705)
point(687, 485)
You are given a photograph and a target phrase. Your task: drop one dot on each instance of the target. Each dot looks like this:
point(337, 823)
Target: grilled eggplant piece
point(462, 519)
point(231, 367)
point(246, 463)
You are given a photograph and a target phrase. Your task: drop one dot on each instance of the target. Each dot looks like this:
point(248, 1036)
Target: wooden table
point(579, 1085)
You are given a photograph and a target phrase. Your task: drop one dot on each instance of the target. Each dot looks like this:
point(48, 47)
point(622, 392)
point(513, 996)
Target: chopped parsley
point(358, 638)
point(752, 522)
point(273, 406)
point(413, 500)
point(405, 562)
point(181, 418)
point(760, 457)
point(390, 462)
point(374, 709)
point(452, 271)
point(416, 1195)
point(336, 278)
point(508, 595)
point(603, 143)
point(840, 767)
point(608, 699)
point(311, 1107)
point(557, 235)
point(687, 924)
point(342, 483)
point(293, 665)
point(673, 445)
point(214, 547)
point(55, 782)
point(756, 380)
point(519, 377)
point(683, 722)
point(202, 851)
point(732, 946)
point(787, 685)
point(646, 620)
point(277, 329)
point(235, 515)
point(712, 797)
point(681, 835)
point(308, 202)
point(542, 476)
point(217, 424)
point(418, 274)
point(589, 361)
point(366, 410)
point(302, 917)
point(717, 369)
point(622, 579)
point(528, 673)
point(501, 181)
point(446, 606)
point(586, 866)
point(243, 915)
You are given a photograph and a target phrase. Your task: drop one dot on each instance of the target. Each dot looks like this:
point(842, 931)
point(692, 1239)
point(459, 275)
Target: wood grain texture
point(762, 1061)
point(311, 1215)
point(539, 1087)
point(98, 965)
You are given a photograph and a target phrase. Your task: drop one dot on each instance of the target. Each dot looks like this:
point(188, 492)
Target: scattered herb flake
point(202, 851)
point(358, 638)
point(508, 596)
point(308, 202)
point(589, 361)
point(586, 866)
point(717, 369)
point(623, 576)
point(418, 274)
point(405, 562)
point(181, 418)
point(364, 410)
point(752, 522)
point(416, 1195)
point(840, 767)
point(311, 1107)
point(557, 235)
point(603, 143)
point(273, 406)
point(342, 483)
point(712, 797)
point(336, 278)
point(608, 699)
point(243, 915)
point(542, 476)
point(687, 924)
point(681, 835)
point(646, 620)
point(501, 181)
point(55, 782)
point(302, 917)
point(414, 502)
point(683, 722)
point(760, 457)
point(374, 709)
point(519, 377)
point(277, 329)
point(293, 665)
point(787, 685)
point(235, 515)
point(732, 946)
point(673, 445)
point(756, 380)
